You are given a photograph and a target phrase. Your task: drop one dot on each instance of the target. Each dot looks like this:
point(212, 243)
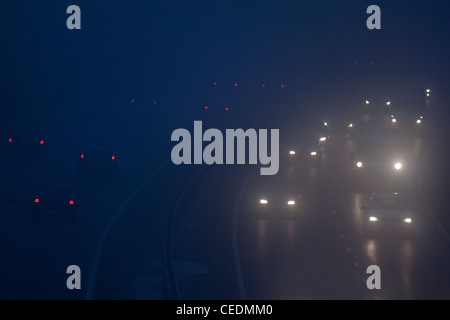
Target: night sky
point(177, 48)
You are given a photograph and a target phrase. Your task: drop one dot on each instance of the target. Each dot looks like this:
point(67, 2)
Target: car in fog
point(273, 198)
point(409, 118)
point(54, 201)
point(98, 165)
point(388, 211)
point(379, 152)
point(27, 141)
point(303, 151)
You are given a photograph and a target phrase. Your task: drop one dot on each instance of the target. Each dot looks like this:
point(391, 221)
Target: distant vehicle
point(379, 151)
point(305, 130)
point(25, 141)
point(409, 110)
point(388, 211)
point(305, 151)
point(54, 201)
point(99, 165)
point(273, 198)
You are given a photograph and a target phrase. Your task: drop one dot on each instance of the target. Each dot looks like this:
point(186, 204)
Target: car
point(27, 141)
point(98, 165)
point(273, 198)
point(409, 111)
point(54, 201)
point(305, 151)
point(388, 212)
point(379, 152)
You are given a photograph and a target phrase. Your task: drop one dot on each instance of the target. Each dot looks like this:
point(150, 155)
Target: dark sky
point(161, 46)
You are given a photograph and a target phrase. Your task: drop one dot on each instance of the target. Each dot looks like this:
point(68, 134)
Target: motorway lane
point(321, 255)
point(35, 256)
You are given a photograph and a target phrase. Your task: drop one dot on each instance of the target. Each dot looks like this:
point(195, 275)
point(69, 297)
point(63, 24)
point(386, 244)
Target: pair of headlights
point(397, 165)
point(289, 203)
point(418, 121)
point(312, 153)
point(375, 219)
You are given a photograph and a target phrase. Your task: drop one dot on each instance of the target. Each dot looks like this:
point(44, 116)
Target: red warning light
point(154, 101)
point(41, 142)
point(235, 84)
point(132, 100)
point(82, 156)
point(36, 200)
point(226, 108)
point(71, 202)
point(112, 158)
point(282, 85)
point(10, 140)
point(206, 107)
point(215, 83)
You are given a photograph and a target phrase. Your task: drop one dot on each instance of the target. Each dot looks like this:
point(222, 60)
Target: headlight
point(359, 164)
point(325, 124)
point(373, 219)
point(398, 166)
point(313, 153)
point(350, 125)
point(322, 139)
point(407, 220)
point(263, 201)
point(367, 101)
point(419, 121)
point(292, 152)
point(388, 103)
point(394, 120)
point(291, 202)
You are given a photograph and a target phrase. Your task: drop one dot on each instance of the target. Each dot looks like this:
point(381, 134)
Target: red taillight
point(226, 108)
point(42, 142)
point(206, 107)
point(215, 83)
point(82, 156)
point(36, 200)
point(10, 140)
point(71, 202)
point(113, 157)
point(235, 84)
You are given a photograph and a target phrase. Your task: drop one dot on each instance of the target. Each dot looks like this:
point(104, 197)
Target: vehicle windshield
point(378, 150)
point(277, 187)
point(98, 155)
point(390, 204)
point(26, 134)
point(55, 191)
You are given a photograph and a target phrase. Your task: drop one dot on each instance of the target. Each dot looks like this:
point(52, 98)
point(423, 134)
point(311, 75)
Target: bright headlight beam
point(367, 101)
point(291, 202)
point(263, 201)
point(407, 220)
point(398, 166)
point(419, 121)
point(313, 153)
point(373, 219)
point(322, 139)
point(350, 125)
point(394, 120)
point(292, 152)
point(359, 164)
